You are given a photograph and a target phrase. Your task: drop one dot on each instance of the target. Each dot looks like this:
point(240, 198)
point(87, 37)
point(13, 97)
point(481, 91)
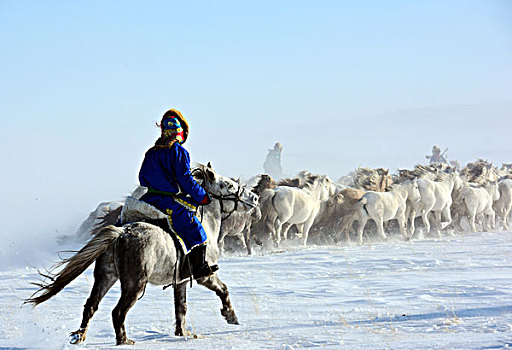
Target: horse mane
point(292, 182)
point(506, 177)
point(265, 182)
point(304, 179)
point(431, 171)
point(198, 171)
point(479, 171)
point(406, 174)
point(371, 179)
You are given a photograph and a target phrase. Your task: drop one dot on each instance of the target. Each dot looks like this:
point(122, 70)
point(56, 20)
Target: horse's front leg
point(180, 309)
point(305, 230)
point(220, 241)
point(247, 237)
point(215, 284)
point(412, 227)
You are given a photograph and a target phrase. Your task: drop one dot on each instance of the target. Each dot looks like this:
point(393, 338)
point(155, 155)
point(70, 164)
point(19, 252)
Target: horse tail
point(75, 265)
point(361, 203)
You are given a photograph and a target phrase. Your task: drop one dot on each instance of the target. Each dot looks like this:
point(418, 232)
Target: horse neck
point(316, 191)
point(491, 189)
point(211, 216)
point(401, 189)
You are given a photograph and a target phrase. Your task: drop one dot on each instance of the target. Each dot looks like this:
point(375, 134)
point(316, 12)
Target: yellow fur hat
point(174, 113)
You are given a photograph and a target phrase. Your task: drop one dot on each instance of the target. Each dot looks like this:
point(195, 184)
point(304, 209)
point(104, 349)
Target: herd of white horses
point(427, 200)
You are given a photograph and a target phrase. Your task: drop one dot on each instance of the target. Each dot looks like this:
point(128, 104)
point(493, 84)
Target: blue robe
point(166, 171)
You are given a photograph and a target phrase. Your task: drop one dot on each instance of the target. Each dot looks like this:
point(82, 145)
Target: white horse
point(239, 225)
point(478, 201)
point(286, 206)
point(503, 206)
point(385, 206)
point(140, 253)
point(435, 198)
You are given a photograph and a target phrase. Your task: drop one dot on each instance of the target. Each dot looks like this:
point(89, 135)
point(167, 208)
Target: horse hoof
point(126, 342)
point(184, 333)
point(233, 320)
point(77, 337)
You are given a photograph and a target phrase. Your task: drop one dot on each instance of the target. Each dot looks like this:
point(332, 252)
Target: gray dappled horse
point(138, 253)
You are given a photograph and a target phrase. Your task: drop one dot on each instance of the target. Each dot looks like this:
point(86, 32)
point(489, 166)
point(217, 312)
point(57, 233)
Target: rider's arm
point(185, 178)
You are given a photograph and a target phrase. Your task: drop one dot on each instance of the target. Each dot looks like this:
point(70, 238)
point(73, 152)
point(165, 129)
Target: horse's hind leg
point(130, 290)
point(104, 278)
point(180, 308)
point(215, 284)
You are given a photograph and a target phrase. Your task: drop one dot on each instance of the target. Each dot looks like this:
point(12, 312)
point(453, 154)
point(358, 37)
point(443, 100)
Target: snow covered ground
point(450, 293)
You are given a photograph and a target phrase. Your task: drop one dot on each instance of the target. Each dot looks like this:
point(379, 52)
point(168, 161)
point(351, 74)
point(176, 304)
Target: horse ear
point(209, 165)
point(210, 174)
point(238, 181)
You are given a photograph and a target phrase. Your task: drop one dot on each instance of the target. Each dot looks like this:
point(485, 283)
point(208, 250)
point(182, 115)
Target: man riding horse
point(436, 156)
point(172, 189)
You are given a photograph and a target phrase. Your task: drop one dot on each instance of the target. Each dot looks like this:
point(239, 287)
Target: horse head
point(230, 193)
point(493, 189)
point(325, 186)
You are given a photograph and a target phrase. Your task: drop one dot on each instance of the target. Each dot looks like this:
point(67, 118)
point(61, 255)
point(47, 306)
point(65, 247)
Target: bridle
point(235, 197)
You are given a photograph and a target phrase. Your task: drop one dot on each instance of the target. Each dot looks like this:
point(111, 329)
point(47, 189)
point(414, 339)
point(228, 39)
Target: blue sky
point(338, 83)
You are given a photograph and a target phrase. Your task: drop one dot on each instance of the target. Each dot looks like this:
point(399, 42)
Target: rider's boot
point(197, 259)
point(194, 261)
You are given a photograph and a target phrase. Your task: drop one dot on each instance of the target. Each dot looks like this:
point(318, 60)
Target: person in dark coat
point(172, 189)
point(272, 164)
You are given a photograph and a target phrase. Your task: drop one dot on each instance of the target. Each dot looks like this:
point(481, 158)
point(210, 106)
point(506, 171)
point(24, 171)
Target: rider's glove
point(206, 200)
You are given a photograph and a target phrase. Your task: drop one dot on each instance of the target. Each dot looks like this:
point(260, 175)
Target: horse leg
point(448, 216)
point(241, 238)
point(402, 222)
point(362, 223)
point(220, 241)
point(286, 227)
point(426, 223)
point(279, 229)
point(247, 238)
point(506, 218)
point(215, 284)
point(492, 217)
point(437, 223)
point(380, 227)
point(130, 290)
point(305, 230)
point(347, 226)
point(489, 219)
point(180, 309)
point(272, 224)
point(472, 219)
point(412, 216)
point(104, 278)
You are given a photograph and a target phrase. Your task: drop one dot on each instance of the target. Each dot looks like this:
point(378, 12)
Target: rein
point(235, 197)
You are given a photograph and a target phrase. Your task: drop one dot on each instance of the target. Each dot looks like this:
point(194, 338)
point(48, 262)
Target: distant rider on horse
point(166, 173)
point(436, 156)
point(272, 164)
